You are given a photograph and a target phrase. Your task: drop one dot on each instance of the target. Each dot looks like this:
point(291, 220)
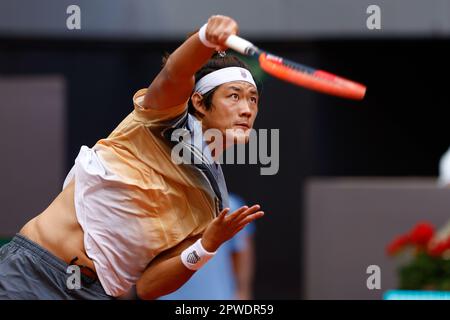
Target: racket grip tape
point(238, 44)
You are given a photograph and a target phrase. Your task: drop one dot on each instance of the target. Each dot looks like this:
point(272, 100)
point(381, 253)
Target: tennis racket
point(298, 74)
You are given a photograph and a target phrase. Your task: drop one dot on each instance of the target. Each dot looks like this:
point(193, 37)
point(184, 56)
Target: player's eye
point(253, 99)
point(234, 96)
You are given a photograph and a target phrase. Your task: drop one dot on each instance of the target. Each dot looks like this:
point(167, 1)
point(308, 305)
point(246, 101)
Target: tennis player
point(129, 217)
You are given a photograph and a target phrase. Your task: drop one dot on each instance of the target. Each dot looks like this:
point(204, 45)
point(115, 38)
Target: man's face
point(233, 111)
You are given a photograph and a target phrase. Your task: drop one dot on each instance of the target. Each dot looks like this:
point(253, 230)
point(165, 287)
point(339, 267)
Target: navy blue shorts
point(28, 271)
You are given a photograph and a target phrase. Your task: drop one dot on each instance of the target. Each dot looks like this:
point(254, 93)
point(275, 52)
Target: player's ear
point(198, 103)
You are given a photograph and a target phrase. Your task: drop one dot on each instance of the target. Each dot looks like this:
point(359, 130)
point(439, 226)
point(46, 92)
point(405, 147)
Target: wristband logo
point(193, 257)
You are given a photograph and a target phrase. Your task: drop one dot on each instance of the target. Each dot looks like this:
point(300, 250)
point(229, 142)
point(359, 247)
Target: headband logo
point(243, 74)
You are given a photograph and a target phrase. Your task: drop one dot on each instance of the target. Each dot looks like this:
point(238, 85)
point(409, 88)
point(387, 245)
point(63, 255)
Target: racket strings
point(311, 78)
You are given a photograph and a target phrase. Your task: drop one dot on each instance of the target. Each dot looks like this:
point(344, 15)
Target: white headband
point(221, 76)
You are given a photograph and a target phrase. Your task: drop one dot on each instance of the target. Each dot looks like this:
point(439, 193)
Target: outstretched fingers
point(223, 213)
point(237, 213)
point(250, 218)
point(243, 214)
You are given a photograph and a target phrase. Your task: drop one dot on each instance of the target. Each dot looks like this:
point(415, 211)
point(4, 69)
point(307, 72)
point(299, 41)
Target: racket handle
point(238, 44)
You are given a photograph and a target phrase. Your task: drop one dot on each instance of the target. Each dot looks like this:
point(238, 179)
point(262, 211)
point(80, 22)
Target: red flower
point(438, 249)
point(398, 244)
point(421, 234)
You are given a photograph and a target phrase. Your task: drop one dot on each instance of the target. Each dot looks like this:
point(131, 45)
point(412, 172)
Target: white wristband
point(202, 37)
point(196, 256)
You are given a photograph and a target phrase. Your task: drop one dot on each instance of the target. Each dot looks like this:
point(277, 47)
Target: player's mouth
point(243, 125)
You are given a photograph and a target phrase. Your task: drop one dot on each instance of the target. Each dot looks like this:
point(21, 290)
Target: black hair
point(216, 62)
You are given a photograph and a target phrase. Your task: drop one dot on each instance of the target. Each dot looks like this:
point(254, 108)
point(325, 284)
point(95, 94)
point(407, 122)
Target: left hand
point(224, 226)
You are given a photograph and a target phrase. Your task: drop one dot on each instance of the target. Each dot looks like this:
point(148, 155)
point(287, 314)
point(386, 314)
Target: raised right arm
point(174, 84)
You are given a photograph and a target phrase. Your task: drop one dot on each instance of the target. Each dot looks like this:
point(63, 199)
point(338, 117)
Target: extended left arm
point(166, 273)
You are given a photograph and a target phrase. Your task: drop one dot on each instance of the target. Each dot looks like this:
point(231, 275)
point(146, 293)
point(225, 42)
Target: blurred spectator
point(229, 275)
